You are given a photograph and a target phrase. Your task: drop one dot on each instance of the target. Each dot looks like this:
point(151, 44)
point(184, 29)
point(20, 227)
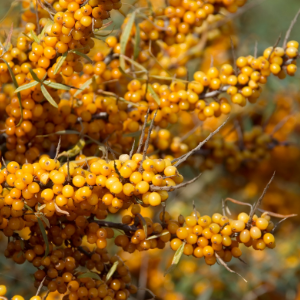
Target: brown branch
point(147, 141)
point(57, 149)
point(234, 57)
point(40, 286)
point(175, 187)
point(124, 227)
point(143, 132)
point(184, 157)
point(280, 124)
point(240, 134)
point(258, 202)
point(214, 93)
point(132, 149)
point(223, 263)
point(288, 33)
point(275, 215)
point(38, 28)
point(88, 254)
point(233, 201)
point(294, 215)
point(275, 45)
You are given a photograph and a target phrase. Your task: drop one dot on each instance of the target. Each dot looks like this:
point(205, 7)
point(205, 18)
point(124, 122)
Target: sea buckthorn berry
point(236, 252)
point(237, 225)
point(208, 251)
point(204, 221)
point(245, 236)
point(262, 223)
point(269, 239)
point(243, 217)
point(154, 199)
point(255, 232)
point(182, 233)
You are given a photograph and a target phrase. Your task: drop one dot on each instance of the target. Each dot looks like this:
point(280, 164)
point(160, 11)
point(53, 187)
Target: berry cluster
point(219, 237)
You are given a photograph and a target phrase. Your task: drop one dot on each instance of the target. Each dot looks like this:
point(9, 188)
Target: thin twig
point(38, 28)
point(282, 221)
point(233, 56)
point(57, 149)
point(143, 132)
point(281, 124)
point(143, 276)
point(147, 140)
point(184, 157)
point(255, 50)
point(132, 149)
point(288, 33)
point(47, 294)
point(240, 134)
point(40, 286)
point(275, 45)
point(224, 206)
point(223, 263)
point(175, 187)
point(258, 202)
point(124, 227)
point(190, 133)
point(88, 254)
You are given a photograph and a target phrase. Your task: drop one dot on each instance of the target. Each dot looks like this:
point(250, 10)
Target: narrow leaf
point(75, 150)
point(176, 258)
point(125, 37)
point(46, 221)
point(82, 55)
point(84, 86)
point(34, 76)
point(44, 234)
point(136, 64)
point(136, 49)
point(60, 210)
point(60, 62)
point(26, 86)
point(90, 275)
point(112, 270)
point(56, 85)
point(153, 94)
point(156, 236)
point(48, 96)
point(36, 39)
point(61, 132)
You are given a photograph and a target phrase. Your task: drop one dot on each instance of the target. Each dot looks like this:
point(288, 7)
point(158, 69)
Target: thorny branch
point(258, 202)
point(223, 263)
point(288, 33)
point(184, 157)
point(175, 187)
point(143, 132)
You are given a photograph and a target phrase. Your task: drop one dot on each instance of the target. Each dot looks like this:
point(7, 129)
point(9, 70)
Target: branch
point(172, 188)
point(132, 149)
point(273, 48)
point(257, 204)
point(57, 149)
point(224, 206)
point(143, 132)
point(184, 157)
point(288, 33)
point(294, 215)
point(223, 263)
point(124, 227)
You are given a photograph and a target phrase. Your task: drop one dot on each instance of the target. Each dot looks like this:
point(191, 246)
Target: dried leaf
point(34, 36)
point(60, 210)
point(144, 223)
point(112, 270)
point(75, 150)
point(136, 49)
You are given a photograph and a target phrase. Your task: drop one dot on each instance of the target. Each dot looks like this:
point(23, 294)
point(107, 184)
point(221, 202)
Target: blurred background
point(270, 274)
